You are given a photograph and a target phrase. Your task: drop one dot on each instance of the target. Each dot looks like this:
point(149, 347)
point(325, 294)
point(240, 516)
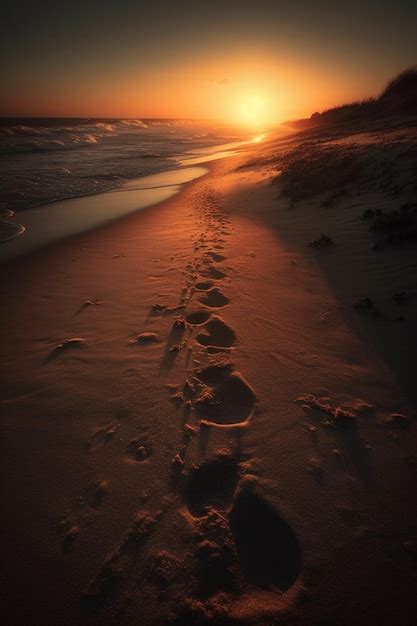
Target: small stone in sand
point(146, 337)
point(70, 343)
point(314, 465)
point(177, 466)
point(92, 302)
point(72, 533)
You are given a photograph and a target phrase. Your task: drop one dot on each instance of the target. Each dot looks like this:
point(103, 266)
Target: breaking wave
point(52, 159)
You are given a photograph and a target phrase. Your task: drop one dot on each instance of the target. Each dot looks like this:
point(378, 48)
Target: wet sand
point(48, 224)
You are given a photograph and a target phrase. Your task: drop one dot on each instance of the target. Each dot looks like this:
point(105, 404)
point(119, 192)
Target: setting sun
point(253, 111)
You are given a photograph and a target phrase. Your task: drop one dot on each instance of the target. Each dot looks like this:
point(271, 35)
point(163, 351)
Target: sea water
point(46, 162)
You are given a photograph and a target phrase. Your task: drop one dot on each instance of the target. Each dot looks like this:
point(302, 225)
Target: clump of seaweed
point(322, 242)
point(367, 306)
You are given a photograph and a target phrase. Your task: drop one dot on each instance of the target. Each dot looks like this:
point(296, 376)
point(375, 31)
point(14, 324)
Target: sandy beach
point(204, 419)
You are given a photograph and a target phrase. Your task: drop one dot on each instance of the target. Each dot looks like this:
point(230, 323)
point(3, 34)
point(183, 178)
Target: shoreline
point(9, 230)
point(213, 293)
point(44, 227)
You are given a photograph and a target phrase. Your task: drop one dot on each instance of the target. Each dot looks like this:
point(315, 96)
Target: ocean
point(46, 160)
point(60, 177)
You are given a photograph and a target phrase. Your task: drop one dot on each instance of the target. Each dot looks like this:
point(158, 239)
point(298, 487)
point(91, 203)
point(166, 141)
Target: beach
point(204, 420)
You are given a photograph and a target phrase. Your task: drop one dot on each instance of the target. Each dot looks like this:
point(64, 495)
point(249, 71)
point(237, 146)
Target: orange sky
point(236, 61)
point(226, 89)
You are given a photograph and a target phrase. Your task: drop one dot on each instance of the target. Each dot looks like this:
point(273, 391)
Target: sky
point(231, 60)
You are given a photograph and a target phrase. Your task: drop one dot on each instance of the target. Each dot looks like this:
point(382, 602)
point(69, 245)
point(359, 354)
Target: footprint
point(88, 304)
point(213, 272)
point(217, 333)
point(196, 318)
point(216, 257)
point(211, 484)
point(139, 449)
point(204, 285)
point(214, 298)
point(226, 398)
point(268, 550)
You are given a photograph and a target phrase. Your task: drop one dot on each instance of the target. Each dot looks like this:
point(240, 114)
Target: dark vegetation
point(397, 226)
point(366, 305)
point(311, 169)
point(322, 242)
point(402, 297)
point(398, 98)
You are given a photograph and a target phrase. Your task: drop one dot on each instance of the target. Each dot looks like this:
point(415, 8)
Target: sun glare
point(253, 111)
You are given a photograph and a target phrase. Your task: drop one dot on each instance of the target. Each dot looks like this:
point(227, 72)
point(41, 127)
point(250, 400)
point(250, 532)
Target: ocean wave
point(46, 145)
point(20, 138)
point(49, 160)
point(60, 135)
point(134, 123)
point(110, 128)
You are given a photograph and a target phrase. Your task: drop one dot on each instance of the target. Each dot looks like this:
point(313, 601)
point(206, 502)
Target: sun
point(252, 110)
